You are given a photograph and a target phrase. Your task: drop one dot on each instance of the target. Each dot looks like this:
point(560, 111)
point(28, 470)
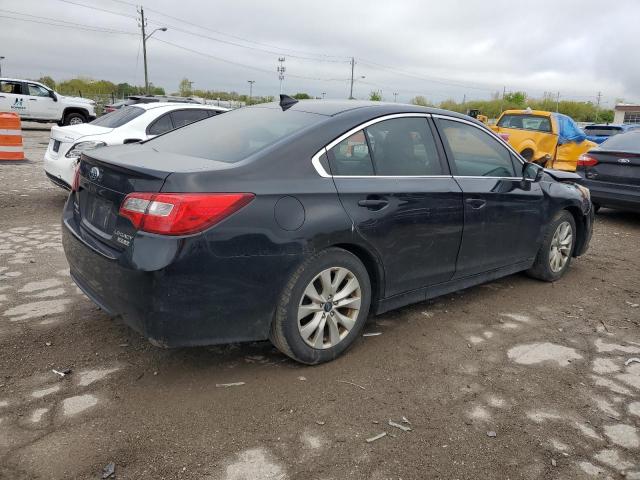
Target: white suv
point(36, 102)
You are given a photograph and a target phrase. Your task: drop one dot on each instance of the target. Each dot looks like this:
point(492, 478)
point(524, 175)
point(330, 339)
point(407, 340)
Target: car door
point(502, 212)
point(41, 104)
point(12, 98)
point(393, 182)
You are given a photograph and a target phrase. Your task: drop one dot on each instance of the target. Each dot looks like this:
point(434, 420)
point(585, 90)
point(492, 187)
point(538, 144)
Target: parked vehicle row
point(293, 221)
point(129, 124)
point(36, 102)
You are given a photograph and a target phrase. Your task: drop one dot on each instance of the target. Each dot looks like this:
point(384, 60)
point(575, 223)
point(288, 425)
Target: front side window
point(403, 147)
point(7, 86)
point(185, 117)
point(526, 122)
point(351, 156)
point(37, 90)
point(475, 152)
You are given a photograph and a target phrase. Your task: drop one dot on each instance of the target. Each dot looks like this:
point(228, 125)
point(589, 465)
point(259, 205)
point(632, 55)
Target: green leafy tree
point(422, 101)
point(185, 87)
point(48, 81)
point(302, 96)
point(517, 98)
point(375, 96)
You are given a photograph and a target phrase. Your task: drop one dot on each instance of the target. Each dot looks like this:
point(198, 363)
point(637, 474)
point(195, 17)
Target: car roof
point(336, 107)
point(23, 80)
point(615, 125)
point(178, 106)
point(542, 113)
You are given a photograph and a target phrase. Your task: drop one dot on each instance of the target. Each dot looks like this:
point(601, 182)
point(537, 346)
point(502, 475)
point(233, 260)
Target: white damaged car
point(130, 124)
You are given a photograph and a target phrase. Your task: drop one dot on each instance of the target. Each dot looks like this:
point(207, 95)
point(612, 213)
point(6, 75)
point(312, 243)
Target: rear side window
point(185, 117)
point(526, 122)
point(403, 147)
point(603, 131)
point(475, 153)
point(7, 86)
point(237, 134)
point(161, 125)
point(351, 156)
point(119, 117)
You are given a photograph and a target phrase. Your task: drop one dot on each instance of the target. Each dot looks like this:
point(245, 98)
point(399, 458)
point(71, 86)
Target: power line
point(279, 50)
point(71, 25)
point(63, 21)
point(78, 4)
point(258, 69)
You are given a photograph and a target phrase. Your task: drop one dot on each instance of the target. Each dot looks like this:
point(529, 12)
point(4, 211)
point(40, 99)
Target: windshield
point(526, 122)
point(235, 135)
point(603, 131)
point(118, 118)
point(624, 142)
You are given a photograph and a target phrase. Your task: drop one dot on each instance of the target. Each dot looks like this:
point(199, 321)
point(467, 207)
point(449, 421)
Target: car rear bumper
point(59, 170)
point(613, 194)
point(190, 298)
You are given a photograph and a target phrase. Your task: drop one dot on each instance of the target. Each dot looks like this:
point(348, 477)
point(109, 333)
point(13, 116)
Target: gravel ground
point(512, 379)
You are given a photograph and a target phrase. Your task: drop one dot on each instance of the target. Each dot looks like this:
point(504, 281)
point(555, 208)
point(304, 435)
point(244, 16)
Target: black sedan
point(294, 221)
point(612, 172)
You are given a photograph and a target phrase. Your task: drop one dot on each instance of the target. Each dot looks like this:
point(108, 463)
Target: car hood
point(563, 176)
point(67, 99)
point(72, 133)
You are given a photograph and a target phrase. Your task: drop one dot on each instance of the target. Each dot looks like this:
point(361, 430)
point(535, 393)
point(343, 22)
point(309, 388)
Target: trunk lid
point(108, 174)
point(614, 167)
point(63, 138)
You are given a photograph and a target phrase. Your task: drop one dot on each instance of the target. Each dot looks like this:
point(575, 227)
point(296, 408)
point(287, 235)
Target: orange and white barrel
point(11, 147)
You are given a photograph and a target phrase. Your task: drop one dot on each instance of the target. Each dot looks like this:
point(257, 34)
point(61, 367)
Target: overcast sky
point(438, 49)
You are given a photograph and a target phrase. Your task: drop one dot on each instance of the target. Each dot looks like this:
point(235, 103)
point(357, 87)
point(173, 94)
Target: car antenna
point(286, 102)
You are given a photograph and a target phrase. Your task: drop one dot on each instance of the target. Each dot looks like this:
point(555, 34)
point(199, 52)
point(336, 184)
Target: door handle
point(476, 203)
point(374, 203)
point(33, 99)
point(2, 96)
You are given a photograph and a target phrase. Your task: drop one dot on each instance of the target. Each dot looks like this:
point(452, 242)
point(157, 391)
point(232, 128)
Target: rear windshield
point(119, 117)
point(526, 122)
point(602, 131)
point(235, 135)
point(624, 142)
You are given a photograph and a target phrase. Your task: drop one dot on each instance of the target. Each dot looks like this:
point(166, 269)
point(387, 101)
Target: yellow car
point(550, 139)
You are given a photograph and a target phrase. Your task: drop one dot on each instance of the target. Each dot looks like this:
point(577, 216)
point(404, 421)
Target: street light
point(1, 58)
point(250, 82)
point(145, 37)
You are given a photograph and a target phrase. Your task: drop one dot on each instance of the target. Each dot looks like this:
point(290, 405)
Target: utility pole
point(599, 96)
point(1, 58)
point(142, 22)
point(281, 69)
point(353, 64)
point(395, 97)
point(557, 102)
point(323, 94)
point(464, 99)
point(504, 92)
point(251, 82)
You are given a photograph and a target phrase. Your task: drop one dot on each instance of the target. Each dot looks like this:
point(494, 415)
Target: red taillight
point(585, 160)
point(75, 184)
point(505, 136)
point(180, 213)
point(109, 109)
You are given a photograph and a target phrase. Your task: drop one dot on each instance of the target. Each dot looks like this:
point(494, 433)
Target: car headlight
point(81, 147)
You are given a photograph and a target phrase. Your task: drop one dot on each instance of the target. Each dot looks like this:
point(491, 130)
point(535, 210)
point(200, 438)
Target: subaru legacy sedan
point(294, 221)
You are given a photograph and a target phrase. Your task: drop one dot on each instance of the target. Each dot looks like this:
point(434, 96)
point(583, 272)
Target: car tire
point(74, 118)
point(554, 257)
point(311, 324)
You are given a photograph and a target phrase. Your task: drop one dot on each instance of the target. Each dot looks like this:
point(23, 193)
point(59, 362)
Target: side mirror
point(53, 95)
point(532, 172)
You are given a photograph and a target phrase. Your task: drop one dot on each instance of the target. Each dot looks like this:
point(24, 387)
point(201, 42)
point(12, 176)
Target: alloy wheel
point(75, 121)
point(329, 307)
point(561, 244)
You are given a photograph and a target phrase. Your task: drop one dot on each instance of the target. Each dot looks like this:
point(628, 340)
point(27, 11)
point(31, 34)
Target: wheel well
point(580, 227)
point(524, 152)
point(376, 275)
point(69, 110)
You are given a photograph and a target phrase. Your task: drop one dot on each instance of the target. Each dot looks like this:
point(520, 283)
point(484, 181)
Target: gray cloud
point(445, 49)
